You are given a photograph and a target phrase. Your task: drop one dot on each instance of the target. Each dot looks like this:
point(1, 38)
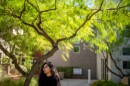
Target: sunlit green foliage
point(61, 19)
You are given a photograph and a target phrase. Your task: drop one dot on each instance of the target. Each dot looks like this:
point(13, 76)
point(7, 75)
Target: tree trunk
point(10, 55)
point(30, 75)
point(38, 64)
point(106, 70)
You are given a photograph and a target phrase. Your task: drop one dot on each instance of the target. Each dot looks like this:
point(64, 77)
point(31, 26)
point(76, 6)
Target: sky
point(90, 3)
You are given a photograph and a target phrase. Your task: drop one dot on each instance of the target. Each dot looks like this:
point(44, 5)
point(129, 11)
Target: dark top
point(48, 81)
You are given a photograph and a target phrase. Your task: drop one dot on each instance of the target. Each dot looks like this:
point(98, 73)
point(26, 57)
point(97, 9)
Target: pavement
point(75, 82)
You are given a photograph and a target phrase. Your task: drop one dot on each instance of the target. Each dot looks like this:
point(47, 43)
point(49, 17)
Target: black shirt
point(48, 81)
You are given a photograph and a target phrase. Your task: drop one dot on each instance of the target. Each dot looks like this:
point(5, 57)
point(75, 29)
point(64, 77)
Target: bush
point(34, 82)
point(68, 71)
point(120, 84)
point(20, 82)
point(10, 82)
point(106, 83)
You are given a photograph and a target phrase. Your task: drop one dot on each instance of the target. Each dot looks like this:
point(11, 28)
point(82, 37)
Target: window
point(126, 64)
point(76, 49)
point(126, 51)
point(126, 31)
point(104, 70)
point(77, 71)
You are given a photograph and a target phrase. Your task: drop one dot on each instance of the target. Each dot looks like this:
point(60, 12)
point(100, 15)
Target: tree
point(14, 36)
point(110, 34)
point(58, 21)
point(113, 48)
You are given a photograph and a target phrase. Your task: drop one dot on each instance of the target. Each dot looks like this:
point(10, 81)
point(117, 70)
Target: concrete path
point(75, 82)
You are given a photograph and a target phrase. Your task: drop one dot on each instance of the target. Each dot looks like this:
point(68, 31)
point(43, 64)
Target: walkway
point(75, 82)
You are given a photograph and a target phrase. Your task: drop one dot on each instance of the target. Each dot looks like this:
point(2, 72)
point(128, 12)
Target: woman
point(48, 75)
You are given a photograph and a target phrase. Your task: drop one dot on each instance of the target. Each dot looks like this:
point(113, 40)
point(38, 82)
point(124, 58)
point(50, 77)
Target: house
point(81, 59)
point(86, 59)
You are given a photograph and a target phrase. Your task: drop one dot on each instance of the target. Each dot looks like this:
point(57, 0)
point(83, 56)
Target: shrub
point(20, 82)
point(10, 82)
point(34, 82)
point(120, 84)
point(68, 71)
point(106, 83)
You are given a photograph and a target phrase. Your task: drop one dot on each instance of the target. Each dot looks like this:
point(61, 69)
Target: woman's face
point(46, 69)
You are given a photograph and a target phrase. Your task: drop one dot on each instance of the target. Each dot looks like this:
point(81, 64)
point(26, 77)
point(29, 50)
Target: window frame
point(78, 50)
point(127, 53)
point(127, 63)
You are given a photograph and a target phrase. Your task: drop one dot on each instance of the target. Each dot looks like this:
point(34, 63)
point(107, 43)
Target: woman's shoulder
point(54, 78)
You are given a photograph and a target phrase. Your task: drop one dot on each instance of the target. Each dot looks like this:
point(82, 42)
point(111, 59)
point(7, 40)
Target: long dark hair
point(42, 75)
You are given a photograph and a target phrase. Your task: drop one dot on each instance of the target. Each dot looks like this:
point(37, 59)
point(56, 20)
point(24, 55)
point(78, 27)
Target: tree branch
point(18, 16)
point(118, 68)
point(49, 9)
point(128, 5)
point(40, 12)
point(89, 16)
point(39, 30)
point(13, 49)
point(33, 6)
point(117, 8)
point(28, 24)
point(22, 9)
point(106, 57)
point(47, 36)
point(116, 65)
point(119, 3)
point(43, 32)
point(113, 72)
point(14, 60)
